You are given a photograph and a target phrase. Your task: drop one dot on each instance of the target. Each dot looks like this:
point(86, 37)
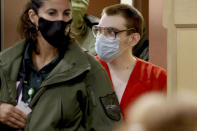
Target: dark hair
point(26, 28)
point(132, 16)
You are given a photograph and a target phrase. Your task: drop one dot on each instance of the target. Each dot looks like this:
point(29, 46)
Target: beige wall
point(157, 34)
point(96, 6)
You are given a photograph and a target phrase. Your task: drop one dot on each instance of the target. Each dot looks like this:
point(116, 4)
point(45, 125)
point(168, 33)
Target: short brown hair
point(133, 17)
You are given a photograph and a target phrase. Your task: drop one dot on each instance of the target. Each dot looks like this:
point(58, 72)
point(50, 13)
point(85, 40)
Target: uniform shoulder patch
point(111, 106)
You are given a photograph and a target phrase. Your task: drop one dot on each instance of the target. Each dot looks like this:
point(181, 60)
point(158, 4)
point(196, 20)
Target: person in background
point(81, 28)
point(118, 31)
point(155, 112)
point(82, 25)
point(48, 83)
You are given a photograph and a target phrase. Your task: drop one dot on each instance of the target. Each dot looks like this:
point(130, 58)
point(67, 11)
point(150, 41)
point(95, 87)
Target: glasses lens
point(95, 31)
point(107, 32)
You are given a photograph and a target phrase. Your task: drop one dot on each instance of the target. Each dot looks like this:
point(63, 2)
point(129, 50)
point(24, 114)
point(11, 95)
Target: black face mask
point(54, 32)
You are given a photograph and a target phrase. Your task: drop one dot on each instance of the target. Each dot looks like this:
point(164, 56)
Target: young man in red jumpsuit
point(118, 31)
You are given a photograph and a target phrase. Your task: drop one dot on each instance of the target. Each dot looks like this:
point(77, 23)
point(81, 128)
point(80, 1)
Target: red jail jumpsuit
point(145, 77)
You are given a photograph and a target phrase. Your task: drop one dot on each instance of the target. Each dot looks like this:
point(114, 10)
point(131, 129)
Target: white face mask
point(107, 49)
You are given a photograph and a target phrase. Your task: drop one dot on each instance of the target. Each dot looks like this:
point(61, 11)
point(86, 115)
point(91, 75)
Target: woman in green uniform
point(48, 83)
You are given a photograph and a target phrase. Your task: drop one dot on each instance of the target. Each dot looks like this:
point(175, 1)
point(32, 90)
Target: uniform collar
point(74, 63)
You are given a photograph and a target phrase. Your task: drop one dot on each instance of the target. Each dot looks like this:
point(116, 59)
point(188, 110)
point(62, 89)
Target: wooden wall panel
point(157, 34)
point(184, 12)
point(180, 20)
point(186, 59)
point(12, 10)
point(143, 7)
point(96, 6)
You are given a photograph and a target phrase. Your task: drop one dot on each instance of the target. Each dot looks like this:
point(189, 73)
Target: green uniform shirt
point(34, 77)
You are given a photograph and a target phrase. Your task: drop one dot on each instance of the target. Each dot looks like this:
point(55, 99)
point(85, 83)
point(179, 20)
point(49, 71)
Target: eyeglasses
point(107, 31)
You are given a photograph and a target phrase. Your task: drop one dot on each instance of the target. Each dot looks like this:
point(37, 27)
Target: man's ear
point(33, 17)
point(134, 38)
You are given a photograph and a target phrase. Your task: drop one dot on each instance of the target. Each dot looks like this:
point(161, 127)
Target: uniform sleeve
point(2, 81)
point(56, 112)
point(79, 8)
point(4, 99)
point(103, 112)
